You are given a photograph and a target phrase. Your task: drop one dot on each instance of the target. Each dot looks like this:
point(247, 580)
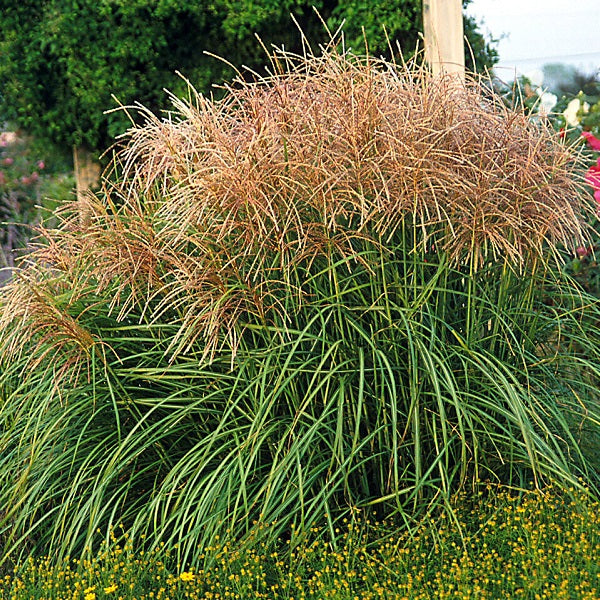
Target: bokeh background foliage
point(333, 291)
point(65, 61)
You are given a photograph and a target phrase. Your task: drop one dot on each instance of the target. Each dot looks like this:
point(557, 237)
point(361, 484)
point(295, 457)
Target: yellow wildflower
point(186, 576)
point(110, 589)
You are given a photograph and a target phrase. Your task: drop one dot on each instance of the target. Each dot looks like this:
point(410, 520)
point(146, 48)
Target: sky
point(538, 32)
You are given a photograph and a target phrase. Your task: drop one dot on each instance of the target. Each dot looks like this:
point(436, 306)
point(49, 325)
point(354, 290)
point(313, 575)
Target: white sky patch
point(536, 32)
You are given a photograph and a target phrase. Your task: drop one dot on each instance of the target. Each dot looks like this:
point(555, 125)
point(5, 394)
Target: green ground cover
point(498, 544)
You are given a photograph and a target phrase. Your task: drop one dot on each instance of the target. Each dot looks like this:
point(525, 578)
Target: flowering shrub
point(25, 182)
point(570, 115)
point(19, 196)
point(578, 120)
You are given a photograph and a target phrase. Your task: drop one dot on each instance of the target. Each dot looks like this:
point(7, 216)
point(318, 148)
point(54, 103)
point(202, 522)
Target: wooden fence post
point(87, 177)
point(443, 30)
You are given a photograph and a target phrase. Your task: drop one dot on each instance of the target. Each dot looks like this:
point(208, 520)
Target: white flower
point(570, 113)
point(547, 103)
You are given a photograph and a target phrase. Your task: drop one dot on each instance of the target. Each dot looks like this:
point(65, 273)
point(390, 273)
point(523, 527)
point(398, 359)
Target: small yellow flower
point(90, 596)
point(110, 589)
point(186, 576)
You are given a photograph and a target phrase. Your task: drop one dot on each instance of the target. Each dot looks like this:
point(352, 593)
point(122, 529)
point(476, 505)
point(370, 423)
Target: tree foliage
point(65, 61)
point(402, 21)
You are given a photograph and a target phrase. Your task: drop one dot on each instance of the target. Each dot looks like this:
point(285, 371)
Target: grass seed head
point(339, 146)
point(216, 205)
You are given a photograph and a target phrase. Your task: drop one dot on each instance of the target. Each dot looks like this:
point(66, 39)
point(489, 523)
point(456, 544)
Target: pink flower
point(41, 165)
point(7, 138)
point(34, 177)
point(8, 161)
point(593, 178)
point(582, 251)
point(592, 140)
point(593, 175)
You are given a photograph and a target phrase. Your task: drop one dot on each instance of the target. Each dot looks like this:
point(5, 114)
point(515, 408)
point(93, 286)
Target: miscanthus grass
point(334, 290)
point(498, 544)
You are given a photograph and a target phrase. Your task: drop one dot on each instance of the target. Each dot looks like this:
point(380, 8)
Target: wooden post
point(87, 177)
point(443, 30)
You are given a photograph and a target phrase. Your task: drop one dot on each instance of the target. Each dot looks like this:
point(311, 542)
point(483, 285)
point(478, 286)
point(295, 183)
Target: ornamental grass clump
point(331, 291)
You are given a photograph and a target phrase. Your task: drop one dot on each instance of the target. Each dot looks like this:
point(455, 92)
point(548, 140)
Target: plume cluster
point(217, 204)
